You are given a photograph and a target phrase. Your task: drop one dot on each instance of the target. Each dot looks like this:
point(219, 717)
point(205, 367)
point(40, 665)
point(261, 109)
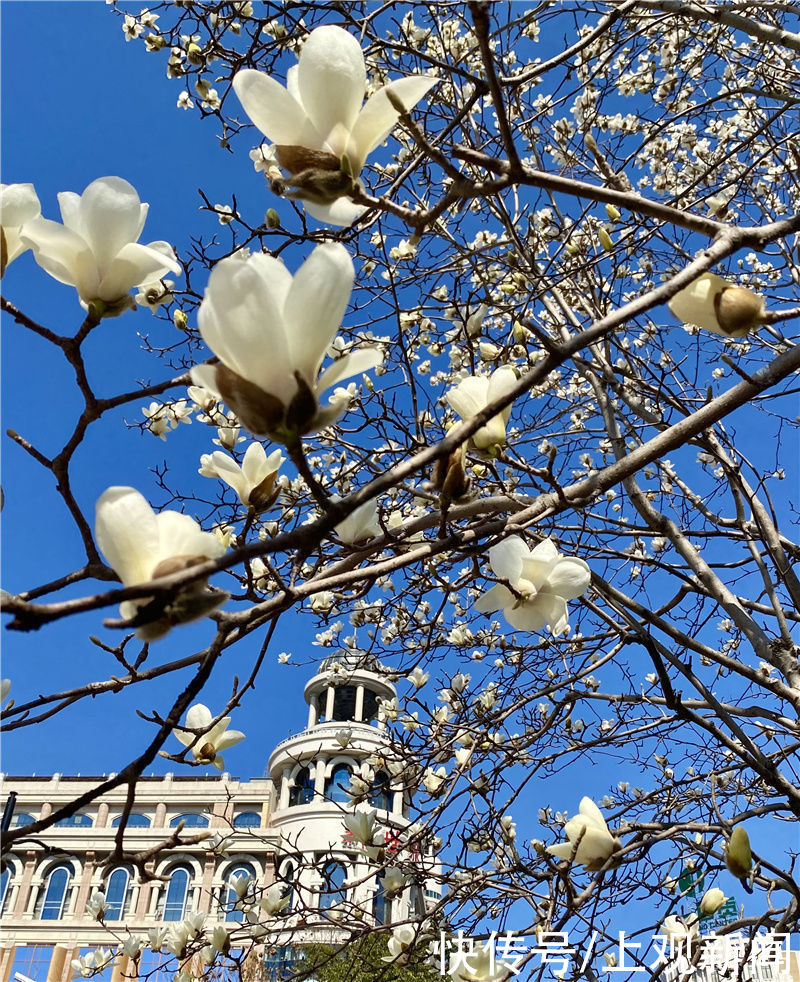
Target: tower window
point(338, 784)
point(191, 820)
point(56, 893)
point(333, 889)
point(175, 904)
point(134, 821)
point(117, 894)
point(381, 905)
point(302, 790)
point(370, 710)
point(380, 795)
point(240, 871)
point(344, 703)
point(247, 820)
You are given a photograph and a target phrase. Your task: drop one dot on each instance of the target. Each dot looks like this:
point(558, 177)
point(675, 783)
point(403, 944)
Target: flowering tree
point(519, 317)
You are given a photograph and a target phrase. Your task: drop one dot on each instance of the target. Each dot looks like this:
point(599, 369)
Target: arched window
point(302, 791)
point(380, 795)
point(191, 820)
point(247, 820)
point(175, 904)
point(239, 871)
point(333, 889)
point(118, 894)
point(338, 784)
point(21, 818)
point(76, 821)
point(56, 892)
point(135, 821)
point(381, 906)
point(6, 878)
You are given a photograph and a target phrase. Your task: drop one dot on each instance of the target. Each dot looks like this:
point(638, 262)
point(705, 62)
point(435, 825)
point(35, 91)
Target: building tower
point(316, 772)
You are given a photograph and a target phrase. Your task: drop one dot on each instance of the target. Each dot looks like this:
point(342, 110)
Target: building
point(285, 828)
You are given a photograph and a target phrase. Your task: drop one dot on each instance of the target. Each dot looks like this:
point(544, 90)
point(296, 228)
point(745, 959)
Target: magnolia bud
point(180, 320)
point(738, 856)
point(613, 213)
point(711, 901)
point(272, 219)
point(194, 54)
point(202, 88)
point(605, 240)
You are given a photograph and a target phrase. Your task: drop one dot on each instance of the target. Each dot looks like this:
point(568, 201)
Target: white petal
point(228, 739)
point(62, 253)
point(180, 535)
point(354, 363)
point(529, 616)
point(497, 597)
point(229, 471)
point(539, 564)
point(340, 214)
point(254, 465)
point(501, 383)
point(469, 397)
point(205, 376)
point(592, 813)
point(506, 558)
point(315, 306)
point(556, 612)
point(198, 717)
point(133, 265)
point(111, 216)
point(279, 116)
point(569, 577)
point(127, 534)
point(563, 850)
point(695, 303)
point(331, 79)
point(378, 117)
point(19, 203)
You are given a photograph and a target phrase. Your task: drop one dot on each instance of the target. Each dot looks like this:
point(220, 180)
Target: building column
point(359, 703)
point(207, 889)
point(313, 710)
point(56, 967)
point(397, 803)
point(78, 905)
point(284, 796)
point(102, 815)
point(26, 877)
point(161, 815)
point(329, 696)
point(6, 962)
point(121, 970)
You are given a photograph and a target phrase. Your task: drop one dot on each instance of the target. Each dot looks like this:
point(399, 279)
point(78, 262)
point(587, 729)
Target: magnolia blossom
point(96, 905)
point(541, 581)
point(156, 937)
point(362, 825)
point(343, 738)
point(588, 840)
point(418, 677)
point(676, 930)
point(141, 546)
point(361, 524)
point(207, 746)
point(480, 965)
point(473, 394)
point(434, 779)
point(271, 332)
point(394, 881)
point(275, 900)
point(402, 939)
point(96, 249)
point(254, 481)
point(18, 205)
point(322, 133)
point(711, 901)
point(716, 305)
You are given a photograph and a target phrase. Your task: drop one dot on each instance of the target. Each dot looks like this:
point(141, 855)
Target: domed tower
point(331, 877)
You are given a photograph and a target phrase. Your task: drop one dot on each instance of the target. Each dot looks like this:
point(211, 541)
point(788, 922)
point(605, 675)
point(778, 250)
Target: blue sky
point(78, 103)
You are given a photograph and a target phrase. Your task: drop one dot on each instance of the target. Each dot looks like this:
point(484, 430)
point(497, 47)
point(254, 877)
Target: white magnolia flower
point(18, 205)
point(343, 738)
point(716, 305)
point(83, 965)
point(588, 840)
point(207, 747)
point(434, 779)
point(401, 940)
point(361, 524)
point(271, 331)
point(156, 937)
point(542, 581)
point(480, 965)
point(254, 481)
point(141, 546)
point(417, 677)
point(96, 249)
point(131, 946)
point(96, 905)
point(241, 884)
point(362, 825)
point(676, 930)
point(394, 881)
point(5, 688)
point(153, 295)
point(473, 394)
point(275, 899)
point(318, 123)
point(220, 941)
point(711, 901)
point(177, 939)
